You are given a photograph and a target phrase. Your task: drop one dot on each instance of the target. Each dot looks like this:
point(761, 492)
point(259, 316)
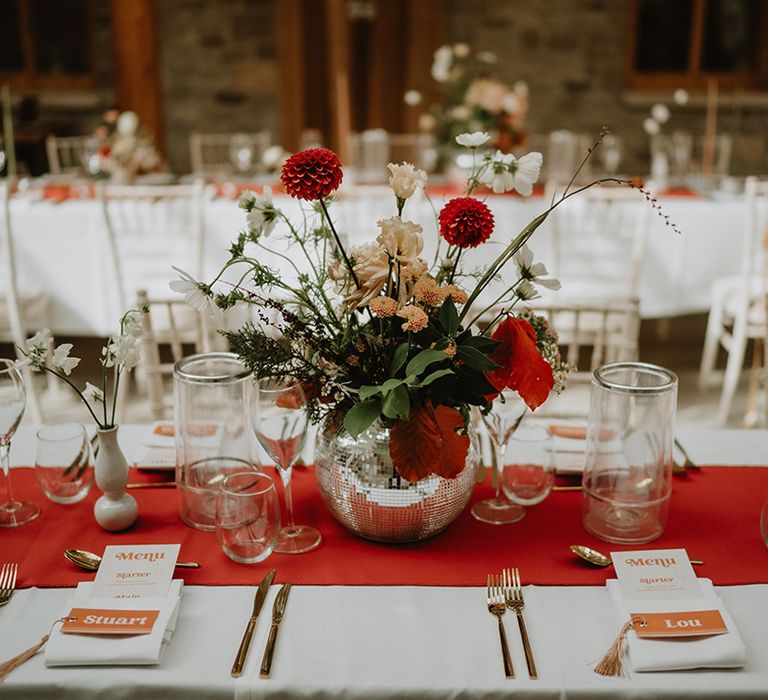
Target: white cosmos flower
point(525, 291)
point(61, 359)
point(473, 140)
point(196, 294)
point(262, 215)
point(405, 178)
point(92, 393)
point(533, 272)
point(526, 171)
point(246, 200)
point(498, 175)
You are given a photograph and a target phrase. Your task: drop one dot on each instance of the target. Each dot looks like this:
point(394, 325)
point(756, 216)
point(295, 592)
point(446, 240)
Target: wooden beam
point(338, 76)
point(290, 47)
point(136, 53)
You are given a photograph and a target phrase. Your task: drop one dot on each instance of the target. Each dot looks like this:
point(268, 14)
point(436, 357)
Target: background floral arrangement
point(375, 332)
point(125, 149)
point(471, 99)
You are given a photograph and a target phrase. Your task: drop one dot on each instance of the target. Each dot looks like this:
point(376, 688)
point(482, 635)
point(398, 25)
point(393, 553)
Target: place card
point(695, 623)
point(95, 621)
point(656, 574)
point(135, 571)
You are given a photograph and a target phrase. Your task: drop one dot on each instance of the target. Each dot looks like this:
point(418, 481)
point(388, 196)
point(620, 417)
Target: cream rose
point(405, 178)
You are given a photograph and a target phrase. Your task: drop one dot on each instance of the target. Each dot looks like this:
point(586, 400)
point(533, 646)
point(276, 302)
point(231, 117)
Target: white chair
point(226, 154)
point(597, 243)
point(65, 154)
point(170, 323)
point(737, 312)
point(18, 312)
point(149, 229)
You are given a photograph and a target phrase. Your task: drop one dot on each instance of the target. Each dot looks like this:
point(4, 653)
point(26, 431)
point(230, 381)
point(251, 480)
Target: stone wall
point(219, 69)
point(571, 53)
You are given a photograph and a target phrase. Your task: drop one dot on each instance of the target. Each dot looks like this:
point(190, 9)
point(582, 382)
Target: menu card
point(658, 574)
point(135, 571)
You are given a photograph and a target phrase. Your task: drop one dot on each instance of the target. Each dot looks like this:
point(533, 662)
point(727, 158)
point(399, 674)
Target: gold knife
point(258, 601)
point(277, 615)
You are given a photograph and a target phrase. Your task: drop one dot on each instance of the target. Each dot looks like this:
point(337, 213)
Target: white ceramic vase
point(115, 510)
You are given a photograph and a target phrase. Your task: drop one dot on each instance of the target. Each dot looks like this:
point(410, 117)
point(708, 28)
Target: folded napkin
point(680, 653)
point(102, 650)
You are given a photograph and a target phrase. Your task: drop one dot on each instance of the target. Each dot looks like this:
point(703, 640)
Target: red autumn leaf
point(427, 443)
point(415, 444)
point(522, 368)
point(453, 455)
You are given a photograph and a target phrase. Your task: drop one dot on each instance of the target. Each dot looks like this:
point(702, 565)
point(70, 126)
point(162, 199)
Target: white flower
point(680, 96)
point(441, 65)
point(660, 113)
point(196, 294)
point(262, 215)
point(460, 113)
point(487, 94)
point(520, 88)
point(526, 171)
point(126, 352)
point(61, 359)
point(525, 291)
point(505, 172)
point(427, 122)
point(533, 272)
point(510, 103)
point(461, 50)
point(247, 200)
point(402, 240)
point(132, 324)
point(405, 178)
point(92, 393)
point(651, 126)
point(412, 98)
point(40, 341)
point(272, 156)
point(473, 140)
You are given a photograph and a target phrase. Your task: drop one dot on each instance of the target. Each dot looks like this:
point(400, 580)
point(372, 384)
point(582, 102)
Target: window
point(687, 43)
point(46, 44)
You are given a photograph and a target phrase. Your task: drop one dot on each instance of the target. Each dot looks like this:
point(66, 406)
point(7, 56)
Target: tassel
point(26, 655)
point(611, 663)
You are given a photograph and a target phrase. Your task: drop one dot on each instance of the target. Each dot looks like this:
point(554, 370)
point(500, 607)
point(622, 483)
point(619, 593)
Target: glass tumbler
point(529, 470)
point(627, 480)
point(211, 393)
point(63, 464)
point(247, 516)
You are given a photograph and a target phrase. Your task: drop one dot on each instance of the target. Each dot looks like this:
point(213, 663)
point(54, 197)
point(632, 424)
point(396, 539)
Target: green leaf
point(365, 392)
point(390, 384)
point(434, 375)
point(472, 383)
point(398, 359)
point(482, 343)
point(423, 360)
point(449, 317)
point(397, 404)
point(474, 358)
point(361, 415)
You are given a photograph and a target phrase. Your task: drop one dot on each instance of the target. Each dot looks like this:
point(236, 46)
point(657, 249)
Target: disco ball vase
point(366, 495)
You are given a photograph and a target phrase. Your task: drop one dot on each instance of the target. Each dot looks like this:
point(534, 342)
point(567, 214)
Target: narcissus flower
point(311, 174)
point(466, 222)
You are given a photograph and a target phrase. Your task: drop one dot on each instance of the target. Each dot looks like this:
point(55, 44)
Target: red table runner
point(714, 514)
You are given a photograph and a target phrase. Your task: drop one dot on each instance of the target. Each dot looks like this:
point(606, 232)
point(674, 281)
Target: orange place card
point(93, 621)
point(574, 432)
point(696, 623)
point(164, 429)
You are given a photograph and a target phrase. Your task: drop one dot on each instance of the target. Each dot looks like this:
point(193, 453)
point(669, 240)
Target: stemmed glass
point(280, 424)
point(529, 478)
point(501, 422)
point(241, 152)
point(13, 398)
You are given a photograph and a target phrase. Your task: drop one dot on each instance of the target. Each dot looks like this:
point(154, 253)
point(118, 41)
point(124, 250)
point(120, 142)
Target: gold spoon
point(90, 561)
point(599, 559)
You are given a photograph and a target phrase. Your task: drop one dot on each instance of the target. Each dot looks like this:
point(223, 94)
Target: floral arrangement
point(125, 150)
point(120, 354)
point(375, 332)
point(471, 99)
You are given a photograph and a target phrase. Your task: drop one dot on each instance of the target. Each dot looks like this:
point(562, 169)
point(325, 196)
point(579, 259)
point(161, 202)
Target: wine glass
point(529, 474)
point(63, 463)
point(501, 422)
point(13, 398)
point(280, 424)
point(241, 152)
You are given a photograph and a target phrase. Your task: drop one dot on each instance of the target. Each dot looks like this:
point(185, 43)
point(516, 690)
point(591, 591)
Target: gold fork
point(7, 582)
point(497, 607)
point(513, 593)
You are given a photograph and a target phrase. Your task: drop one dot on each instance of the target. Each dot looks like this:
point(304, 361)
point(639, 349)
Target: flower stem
point(75, 389)
point(338, 243)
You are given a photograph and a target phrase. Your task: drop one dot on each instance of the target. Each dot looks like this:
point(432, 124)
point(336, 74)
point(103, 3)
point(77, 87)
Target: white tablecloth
point(61, 250)
point(386, 642)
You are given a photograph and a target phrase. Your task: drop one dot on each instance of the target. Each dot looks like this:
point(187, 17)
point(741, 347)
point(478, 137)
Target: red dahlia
point(311, 174)
point(466, 222)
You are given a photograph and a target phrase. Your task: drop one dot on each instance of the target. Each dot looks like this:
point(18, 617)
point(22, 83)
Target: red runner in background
point(714, 515)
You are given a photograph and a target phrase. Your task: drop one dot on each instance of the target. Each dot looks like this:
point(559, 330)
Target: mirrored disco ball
point(365, 494)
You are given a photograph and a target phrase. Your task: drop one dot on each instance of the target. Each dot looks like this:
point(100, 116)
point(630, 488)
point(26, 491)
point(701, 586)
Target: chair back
point(172, 329)
point(597, 242)
point(148, 229)
point(370, 151)
point(755, 239)
point(231, 153)
point(66, 154)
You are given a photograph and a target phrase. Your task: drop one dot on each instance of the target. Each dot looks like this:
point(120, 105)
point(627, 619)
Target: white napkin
point(681, 653)
point(102, 650)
